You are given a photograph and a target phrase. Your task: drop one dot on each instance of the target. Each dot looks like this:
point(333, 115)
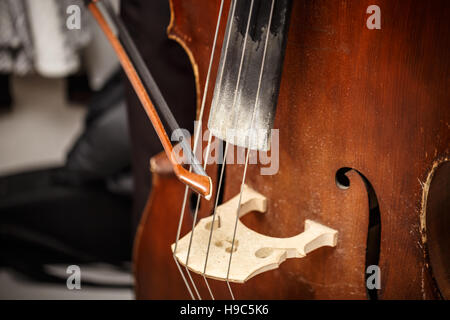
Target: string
point(248, 151)
point(234, 116)
point(194, 222)
point(196, 211)
point(237, 85)
point(214, 217)
point(196, 139)
point(209, 141)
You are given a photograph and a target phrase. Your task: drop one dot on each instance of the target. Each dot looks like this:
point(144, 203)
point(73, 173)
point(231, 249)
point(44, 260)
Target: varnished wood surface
point(373, 100)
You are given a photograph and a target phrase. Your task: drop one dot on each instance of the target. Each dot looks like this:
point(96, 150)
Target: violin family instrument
point(355, 122)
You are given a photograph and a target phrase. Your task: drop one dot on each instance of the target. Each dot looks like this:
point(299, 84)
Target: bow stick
point(149, 95)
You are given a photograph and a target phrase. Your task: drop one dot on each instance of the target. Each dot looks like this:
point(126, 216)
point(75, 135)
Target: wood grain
point(373, 100)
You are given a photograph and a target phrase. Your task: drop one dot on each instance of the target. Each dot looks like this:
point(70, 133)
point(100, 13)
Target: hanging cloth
point(16, 47)
point(56, 46)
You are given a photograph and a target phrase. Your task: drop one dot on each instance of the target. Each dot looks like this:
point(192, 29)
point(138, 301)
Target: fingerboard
point(249, 73)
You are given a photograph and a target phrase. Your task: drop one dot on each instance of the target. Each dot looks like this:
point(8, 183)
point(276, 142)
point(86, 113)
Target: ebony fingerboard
point(246, 89)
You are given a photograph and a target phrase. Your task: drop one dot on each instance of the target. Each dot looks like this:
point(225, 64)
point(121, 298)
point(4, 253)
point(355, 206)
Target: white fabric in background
point(53, 58)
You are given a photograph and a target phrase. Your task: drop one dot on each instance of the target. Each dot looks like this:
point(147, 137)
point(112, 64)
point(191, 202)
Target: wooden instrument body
point(376, 101)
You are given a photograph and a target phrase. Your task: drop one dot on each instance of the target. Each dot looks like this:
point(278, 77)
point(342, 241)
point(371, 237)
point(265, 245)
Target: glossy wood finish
point(373, 100)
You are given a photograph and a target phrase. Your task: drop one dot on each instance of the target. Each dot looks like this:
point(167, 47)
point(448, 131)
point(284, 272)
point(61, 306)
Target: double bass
point(357, 118)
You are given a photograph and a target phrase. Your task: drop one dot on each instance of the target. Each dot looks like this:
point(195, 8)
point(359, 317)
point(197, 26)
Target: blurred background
point(75, 144)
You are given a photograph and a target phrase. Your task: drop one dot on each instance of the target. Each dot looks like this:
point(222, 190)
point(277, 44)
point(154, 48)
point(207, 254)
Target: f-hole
point(219, 170)
point(374, 228)
point(193, 203)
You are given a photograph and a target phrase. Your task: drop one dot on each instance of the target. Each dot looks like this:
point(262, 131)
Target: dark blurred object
point(169, 64)
point(77, 89)
point(78, 213)
point(5, 92)
point(103, 149)
point(46, 219)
